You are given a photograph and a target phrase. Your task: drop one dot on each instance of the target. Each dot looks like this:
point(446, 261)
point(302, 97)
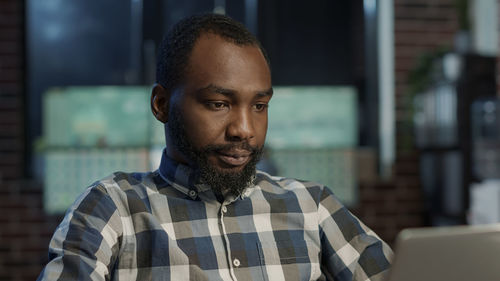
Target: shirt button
point(236, 262)
point(192, 193)
point(224, 209)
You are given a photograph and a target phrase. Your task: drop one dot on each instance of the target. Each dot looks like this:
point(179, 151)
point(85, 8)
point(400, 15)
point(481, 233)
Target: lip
point(235, 157)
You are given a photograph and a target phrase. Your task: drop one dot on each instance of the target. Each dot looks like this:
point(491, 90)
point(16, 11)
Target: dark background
point(322, 42)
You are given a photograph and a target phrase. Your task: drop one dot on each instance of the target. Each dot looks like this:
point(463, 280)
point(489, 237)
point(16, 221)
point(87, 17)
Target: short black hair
point(176, 46)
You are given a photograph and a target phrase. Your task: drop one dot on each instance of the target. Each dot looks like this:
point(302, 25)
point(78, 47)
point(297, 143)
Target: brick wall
point(387, 207)
point(24, 230)
point(498, 57)
point(11, 75)
point(420, 26)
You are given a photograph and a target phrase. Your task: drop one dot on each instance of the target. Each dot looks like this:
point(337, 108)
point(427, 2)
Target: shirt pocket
point(289, 259)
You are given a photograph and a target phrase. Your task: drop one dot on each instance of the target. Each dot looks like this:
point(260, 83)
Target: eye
point(260, 106)
point(216, 105)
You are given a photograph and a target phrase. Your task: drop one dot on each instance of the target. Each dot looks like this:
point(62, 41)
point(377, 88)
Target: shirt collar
point(180, 176)
point(185, 179)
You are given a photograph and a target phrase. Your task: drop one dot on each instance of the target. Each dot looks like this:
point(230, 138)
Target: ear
point(159, 103)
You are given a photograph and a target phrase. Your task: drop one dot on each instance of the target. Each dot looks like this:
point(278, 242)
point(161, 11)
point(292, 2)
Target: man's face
point(218, 115)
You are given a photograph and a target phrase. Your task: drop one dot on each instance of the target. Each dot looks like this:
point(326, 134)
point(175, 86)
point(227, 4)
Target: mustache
point(231, 147)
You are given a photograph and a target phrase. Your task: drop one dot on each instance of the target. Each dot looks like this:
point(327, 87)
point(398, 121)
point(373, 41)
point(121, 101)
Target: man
point(206, 213)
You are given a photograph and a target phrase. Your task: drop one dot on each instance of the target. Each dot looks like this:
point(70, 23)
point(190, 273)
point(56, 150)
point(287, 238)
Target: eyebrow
point(267, 93)
point(230, 93)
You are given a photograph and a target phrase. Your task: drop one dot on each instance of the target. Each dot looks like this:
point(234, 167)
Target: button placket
point(223, 210)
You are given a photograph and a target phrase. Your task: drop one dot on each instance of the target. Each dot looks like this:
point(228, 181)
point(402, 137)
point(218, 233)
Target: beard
point(221, 181)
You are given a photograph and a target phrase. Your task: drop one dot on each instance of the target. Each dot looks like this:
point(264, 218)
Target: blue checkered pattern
point(165, 225)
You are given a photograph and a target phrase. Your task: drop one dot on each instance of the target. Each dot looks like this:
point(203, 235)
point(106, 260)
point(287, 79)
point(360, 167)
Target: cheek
point(261, 129)
point(203, 130)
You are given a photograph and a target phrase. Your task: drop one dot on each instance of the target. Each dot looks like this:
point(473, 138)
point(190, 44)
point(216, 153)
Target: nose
point(240, 127)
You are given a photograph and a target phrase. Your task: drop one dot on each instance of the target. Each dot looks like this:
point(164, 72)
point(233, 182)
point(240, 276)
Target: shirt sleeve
point(350, 251)
point(85, 244)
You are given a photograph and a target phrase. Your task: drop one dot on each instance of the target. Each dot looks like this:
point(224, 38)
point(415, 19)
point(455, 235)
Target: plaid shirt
point(164, 225)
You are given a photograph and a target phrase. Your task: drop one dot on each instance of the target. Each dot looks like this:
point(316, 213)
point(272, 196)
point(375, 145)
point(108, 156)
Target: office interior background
point(401, 117)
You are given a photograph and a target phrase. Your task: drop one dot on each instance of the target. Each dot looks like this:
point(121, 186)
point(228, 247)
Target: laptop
point(456, 253)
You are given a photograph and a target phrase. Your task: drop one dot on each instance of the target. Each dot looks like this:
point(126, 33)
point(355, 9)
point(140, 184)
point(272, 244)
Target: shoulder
point(277, 184)
point(121, 190)
point(121, 182)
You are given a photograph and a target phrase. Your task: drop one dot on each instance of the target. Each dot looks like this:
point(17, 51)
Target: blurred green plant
point(462, 7)
point(420, 78)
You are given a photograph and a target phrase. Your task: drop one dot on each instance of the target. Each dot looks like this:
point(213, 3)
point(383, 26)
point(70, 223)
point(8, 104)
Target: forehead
point(217, 60)
point(210, 42)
